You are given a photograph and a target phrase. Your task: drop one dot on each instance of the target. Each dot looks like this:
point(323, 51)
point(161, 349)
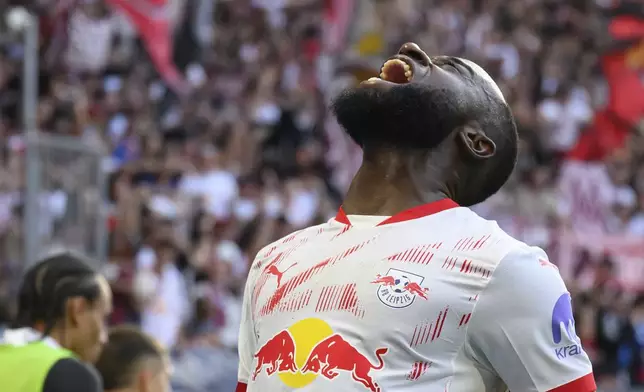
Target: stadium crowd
point(206, 168)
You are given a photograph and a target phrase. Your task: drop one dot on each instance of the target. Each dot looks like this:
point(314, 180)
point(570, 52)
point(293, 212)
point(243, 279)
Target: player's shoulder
point(513, 260)
point(520, 273)
point(484, 239)
point(279, 248)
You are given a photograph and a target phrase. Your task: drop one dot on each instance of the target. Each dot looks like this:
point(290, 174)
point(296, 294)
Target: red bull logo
point(415, 289)
point(278, 354)
point(386, 280)
point(310, 349)
point(398, 289)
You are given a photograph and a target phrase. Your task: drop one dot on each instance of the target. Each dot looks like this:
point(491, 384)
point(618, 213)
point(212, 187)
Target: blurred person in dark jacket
point(633, 343)
point(5, 318)
point(610, 324)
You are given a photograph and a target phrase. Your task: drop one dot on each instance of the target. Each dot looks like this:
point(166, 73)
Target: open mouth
point(395, 71)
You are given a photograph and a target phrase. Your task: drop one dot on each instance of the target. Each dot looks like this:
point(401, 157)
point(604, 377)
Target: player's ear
point(76, 310)
point(475, 142)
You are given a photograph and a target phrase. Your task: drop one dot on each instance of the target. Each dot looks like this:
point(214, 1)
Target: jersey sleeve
point(71, 375)
point(522, 328)
point(246, 343)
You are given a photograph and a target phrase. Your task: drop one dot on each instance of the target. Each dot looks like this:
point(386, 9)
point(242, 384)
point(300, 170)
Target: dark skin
point(424, 138)
point(392, 180)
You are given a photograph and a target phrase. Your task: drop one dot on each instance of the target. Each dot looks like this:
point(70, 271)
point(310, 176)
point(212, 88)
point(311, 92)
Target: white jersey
point(433, 299)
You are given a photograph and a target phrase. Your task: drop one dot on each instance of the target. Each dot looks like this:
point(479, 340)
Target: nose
point(414, 52)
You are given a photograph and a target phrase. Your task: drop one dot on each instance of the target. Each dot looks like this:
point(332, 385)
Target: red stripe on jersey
point(241, 387)
point(428, 332)
point(418, 369)
point(296, 302)
point(439, 324)
point(344, 230)
point(294, 282)
point(582, 384)
point(466, 245)
point(419, 255)
point(410, 214)
point(479, 244)
point(421, 211)
point(464, 319)
point(340, 297)
point(270, 251)
point(449, 263)
point(465, 267)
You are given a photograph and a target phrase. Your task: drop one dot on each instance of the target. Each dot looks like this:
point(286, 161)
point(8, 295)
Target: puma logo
point(273, 270)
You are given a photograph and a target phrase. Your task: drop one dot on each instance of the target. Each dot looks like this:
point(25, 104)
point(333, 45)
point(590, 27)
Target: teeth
point(406, 67)
point(374, 79)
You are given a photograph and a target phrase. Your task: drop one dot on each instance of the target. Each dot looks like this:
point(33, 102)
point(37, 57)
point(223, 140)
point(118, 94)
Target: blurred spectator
point(610, 325)
point(634, 343)
point(161, 292)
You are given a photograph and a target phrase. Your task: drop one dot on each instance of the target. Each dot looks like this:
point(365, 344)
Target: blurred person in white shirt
point(161, 291)
point(562, 116)
point(623, 209)
point(91, 28)
point(213, 182)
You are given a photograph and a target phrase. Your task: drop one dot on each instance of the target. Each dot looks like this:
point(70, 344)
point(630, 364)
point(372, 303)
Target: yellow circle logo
point(306, 333)
point(310, 348)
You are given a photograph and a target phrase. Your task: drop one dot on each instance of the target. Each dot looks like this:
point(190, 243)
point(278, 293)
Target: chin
point(408, 114)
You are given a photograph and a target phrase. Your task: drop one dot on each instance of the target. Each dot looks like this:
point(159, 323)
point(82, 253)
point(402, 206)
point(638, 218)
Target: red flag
point(150, 17)
point(624, 72)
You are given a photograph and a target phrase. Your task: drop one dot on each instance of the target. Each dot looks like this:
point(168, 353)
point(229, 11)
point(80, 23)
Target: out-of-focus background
point(172, 139)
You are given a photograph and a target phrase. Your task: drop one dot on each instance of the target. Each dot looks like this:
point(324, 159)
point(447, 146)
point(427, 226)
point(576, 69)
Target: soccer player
point(407, 289)
point(133, 362)
point(62, 306)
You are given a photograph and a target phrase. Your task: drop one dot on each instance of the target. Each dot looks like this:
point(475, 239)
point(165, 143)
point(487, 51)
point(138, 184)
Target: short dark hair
point(121, 356)
point(48, 285)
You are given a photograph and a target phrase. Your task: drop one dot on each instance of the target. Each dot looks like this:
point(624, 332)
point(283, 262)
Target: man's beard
point(407, 115)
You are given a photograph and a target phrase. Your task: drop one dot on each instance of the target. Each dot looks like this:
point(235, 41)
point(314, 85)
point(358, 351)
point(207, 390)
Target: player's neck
point(384, 190)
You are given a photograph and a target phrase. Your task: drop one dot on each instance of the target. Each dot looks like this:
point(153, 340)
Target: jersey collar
point(410, 214)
